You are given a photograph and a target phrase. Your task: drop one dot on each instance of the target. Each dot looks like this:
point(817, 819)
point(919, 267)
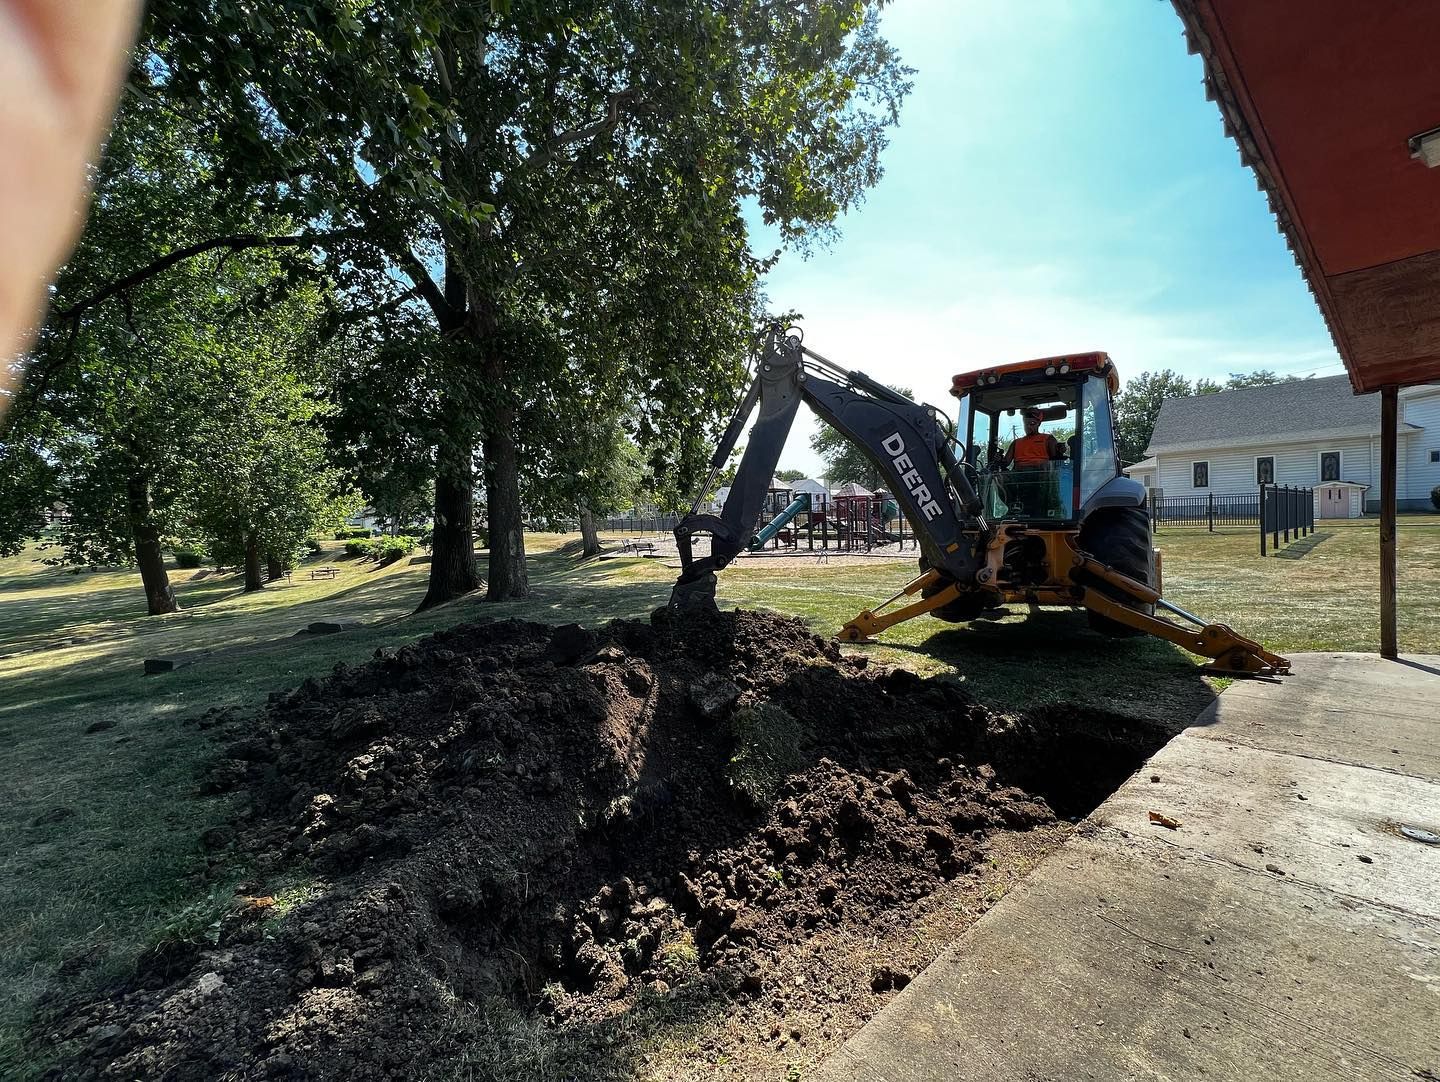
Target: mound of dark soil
point(579, 824)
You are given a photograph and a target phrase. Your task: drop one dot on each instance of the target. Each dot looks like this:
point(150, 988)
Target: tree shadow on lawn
point(109, 668)
point(113, 611)
point(558, 602)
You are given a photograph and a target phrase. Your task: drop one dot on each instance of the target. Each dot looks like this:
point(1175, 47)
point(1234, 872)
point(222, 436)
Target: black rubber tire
point(963, 609)
point(1120, 538)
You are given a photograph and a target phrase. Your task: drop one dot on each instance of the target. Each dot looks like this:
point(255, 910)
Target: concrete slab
point(1256, 810)
point(1252, 942)
point(1354, 708)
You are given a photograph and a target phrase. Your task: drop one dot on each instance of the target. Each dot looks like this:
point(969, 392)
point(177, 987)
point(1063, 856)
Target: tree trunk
point(159, 597)
point(452, 548)
point(252, 564)
point(273, 567)
point(589, 537)
point(508, 578)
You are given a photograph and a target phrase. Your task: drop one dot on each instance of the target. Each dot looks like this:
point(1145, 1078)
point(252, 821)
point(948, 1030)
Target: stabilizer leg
point(868, 623)
point(1231, 653)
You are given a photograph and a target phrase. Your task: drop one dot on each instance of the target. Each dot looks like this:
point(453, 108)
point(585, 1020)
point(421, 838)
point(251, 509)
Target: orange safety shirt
point(1032, 450)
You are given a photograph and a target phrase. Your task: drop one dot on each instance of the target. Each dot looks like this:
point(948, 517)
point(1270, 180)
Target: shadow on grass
point(1298, 550)
point(226, 644)
point(103, 612)
point(1054, 658)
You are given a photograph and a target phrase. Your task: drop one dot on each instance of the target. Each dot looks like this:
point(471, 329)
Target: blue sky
point(1058, 183)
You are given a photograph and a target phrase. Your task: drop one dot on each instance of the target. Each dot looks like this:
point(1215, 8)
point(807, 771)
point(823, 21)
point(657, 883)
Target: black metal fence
point(658, 524)
point(1287, 511)
point(1210, 510)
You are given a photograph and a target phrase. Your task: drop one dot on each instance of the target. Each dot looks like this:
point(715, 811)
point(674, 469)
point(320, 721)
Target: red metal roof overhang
point(1321, 97)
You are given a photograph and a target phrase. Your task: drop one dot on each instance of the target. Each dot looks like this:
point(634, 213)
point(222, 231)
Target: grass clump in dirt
point(769, 746)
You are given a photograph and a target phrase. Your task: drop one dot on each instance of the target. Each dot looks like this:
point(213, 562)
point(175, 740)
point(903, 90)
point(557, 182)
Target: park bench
point(323, 572)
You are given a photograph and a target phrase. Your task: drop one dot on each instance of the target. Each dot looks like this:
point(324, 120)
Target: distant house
point(1144, 472)
point(819, 494)
point(1314, 432)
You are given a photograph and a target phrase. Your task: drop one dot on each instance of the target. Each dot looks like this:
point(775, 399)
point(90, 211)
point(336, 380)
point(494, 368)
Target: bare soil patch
point(705, 847)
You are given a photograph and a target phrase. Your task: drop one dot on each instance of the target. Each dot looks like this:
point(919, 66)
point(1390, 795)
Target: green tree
point(504, 162)
point(790, 475)
point(1138, 404)
point(28, 483)
point(267, 481)
point(128, 376)
point(844, 461)
point(384, 425)
point(610, 476)
point(1261, 377)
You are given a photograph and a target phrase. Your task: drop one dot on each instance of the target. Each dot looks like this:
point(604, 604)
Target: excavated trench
point(583, 827)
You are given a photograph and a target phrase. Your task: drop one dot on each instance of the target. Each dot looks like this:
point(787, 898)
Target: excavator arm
point(905, 441)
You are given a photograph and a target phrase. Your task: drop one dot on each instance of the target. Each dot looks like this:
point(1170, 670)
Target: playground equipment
point(1068, 531)
point(844, 523)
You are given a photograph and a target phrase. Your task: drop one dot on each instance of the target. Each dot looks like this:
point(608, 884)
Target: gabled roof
point(1265, 414)
point(1147, 464)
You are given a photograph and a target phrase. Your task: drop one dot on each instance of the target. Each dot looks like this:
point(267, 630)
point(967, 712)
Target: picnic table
point(323, 572)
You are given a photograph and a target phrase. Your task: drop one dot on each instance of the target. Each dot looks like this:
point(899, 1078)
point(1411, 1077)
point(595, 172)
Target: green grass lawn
point(100, 854)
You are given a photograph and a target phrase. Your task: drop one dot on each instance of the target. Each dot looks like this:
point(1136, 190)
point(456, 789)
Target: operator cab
point(1072, 395)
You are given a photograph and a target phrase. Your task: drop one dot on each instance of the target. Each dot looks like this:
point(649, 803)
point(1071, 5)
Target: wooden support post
point(1389, 647)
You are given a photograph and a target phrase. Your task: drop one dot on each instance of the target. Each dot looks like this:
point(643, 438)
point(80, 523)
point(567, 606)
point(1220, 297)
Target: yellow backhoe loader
point(1047, 520)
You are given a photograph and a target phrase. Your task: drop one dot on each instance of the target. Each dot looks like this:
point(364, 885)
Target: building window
point(1265, 470)
point(1199, 475)
point(1329, 466)
point(1435, 456)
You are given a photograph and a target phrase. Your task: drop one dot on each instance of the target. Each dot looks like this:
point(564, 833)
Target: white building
point(1315, 433)
point(1144, 472)
point(819, 494)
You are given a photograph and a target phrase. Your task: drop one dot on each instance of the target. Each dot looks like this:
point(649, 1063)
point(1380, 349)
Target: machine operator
point(1035, 448)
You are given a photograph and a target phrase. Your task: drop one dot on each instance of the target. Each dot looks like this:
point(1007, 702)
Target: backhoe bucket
point(696, 595)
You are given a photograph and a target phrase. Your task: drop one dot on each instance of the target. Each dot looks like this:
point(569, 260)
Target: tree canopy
point(540, 176)
point(495, 253)
point(144, 403)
